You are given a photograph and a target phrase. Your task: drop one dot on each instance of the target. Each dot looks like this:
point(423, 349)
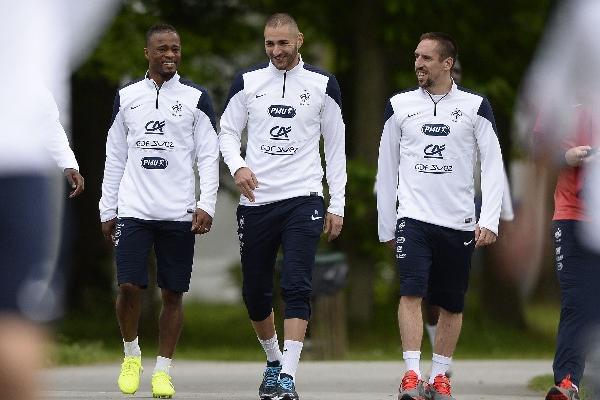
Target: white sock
point(412, 360)
point(431, 333)
point(439, 365)
point(162, 364)
point(291, 357)
point(271, 347)
point(132, 349)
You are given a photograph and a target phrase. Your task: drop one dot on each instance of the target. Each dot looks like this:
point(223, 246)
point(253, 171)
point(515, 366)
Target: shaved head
point(282, 19)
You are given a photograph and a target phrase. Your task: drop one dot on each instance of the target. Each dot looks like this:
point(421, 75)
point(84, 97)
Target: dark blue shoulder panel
point(115, 110)
point(238, 81)
point(333, 88)
point(485, 110)
point(117, 101)
point(389, 111)
point(204, 102)
point(205, 105)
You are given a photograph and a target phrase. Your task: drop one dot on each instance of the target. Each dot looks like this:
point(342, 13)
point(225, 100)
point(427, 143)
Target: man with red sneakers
point(426, 155)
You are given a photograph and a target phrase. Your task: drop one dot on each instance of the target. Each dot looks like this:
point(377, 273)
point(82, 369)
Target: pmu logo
point(155, 127)
point(435, 130)
point(434, 151)
point(282, 111)
point(280, 132)
point(154, 163)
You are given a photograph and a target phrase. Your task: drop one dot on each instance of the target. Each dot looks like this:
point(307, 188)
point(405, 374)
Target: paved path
point(473, 380)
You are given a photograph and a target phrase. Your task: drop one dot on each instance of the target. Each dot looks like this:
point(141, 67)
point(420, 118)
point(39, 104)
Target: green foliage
point(496, 43)
point(496, 40)
point(218, 38)
point(360, 219)
point(223, 332)
point(65, 352)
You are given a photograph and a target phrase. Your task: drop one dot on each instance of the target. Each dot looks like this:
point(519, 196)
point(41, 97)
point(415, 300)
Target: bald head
point(282, 20)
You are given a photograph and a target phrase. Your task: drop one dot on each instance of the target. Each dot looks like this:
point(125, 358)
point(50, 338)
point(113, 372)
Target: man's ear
point(146, 53)
point(300, 39)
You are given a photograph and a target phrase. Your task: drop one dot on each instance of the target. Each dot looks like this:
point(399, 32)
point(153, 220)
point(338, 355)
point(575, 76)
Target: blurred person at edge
point(46, 41)
point(565, 73)
point(431, 313)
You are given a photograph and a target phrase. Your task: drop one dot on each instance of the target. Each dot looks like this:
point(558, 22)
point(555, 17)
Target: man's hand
point(575, 156)
point(201, 222)
point(333, 226)
point(108, 230)
point(246, 181)
point(75, 180)
point(484, 237)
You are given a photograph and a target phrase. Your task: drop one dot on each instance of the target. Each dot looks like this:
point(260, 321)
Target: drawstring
point(435, 102)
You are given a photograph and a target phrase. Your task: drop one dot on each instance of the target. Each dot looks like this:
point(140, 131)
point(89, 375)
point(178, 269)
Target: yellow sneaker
point(162, 387)
point(129, 379)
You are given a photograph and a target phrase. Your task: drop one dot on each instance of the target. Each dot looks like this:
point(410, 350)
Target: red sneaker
point(411, 387)
point(565, 390)
point(440, 389)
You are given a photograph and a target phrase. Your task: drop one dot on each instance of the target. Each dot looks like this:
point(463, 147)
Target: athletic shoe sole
point(555, 394)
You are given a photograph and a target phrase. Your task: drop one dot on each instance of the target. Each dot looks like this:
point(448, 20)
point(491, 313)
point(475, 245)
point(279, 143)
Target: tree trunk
point(369, 79)
point(90, 285)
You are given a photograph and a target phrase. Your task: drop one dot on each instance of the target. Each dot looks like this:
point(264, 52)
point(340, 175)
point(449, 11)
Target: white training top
point(156, 134)
point(426, 157)
point(286, 112)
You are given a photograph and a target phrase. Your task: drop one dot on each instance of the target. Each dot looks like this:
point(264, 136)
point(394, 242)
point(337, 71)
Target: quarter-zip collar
point(448, 95)
point(166, 85)
point(292, 71)
point(285, 74)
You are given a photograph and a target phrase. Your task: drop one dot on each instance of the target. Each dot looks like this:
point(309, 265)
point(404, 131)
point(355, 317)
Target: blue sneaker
point(268, 387)
point(286, 389)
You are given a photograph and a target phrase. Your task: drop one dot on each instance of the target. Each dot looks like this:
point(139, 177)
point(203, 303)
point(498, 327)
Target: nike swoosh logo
point(135, 106)
point(412, 115)
point(260, 95)
point(315, 218)
point(468, 243)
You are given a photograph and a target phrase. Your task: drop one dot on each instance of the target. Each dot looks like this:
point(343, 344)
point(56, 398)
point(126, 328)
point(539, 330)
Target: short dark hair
point(279, 19)
point(448, 46)
point(159, 28)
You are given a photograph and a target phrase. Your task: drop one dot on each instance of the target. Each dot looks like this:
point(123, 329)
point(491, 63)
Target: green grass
point(78, 353)
point(223, 332)
point(482, 337)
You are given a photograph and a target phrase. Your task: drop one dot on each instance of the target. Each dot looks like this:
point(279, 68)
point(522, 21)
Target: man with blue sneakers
point(286, 106)
point(161, 125)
